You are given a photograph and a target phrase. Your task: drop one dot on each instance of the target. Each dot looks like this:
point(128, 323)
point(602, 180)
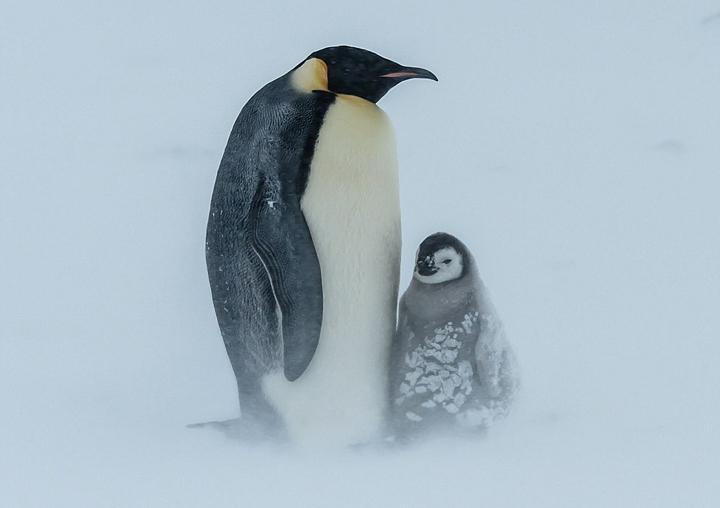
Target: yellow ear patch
point(312, 75)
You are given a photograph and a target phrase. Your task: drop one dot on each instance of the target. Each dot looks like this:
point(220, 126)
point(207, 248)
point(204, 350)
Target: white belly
point(352, 208)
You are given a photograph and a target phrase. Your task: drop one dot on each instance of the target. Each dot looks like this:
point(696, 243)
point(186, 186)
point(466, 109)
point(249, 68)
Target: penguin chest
point(351, 202)
point(351, 205)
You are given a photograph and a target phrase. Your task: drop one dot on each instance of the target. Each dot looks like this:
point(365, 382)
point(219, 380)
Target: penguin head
point(440, 258)
point(362, 73)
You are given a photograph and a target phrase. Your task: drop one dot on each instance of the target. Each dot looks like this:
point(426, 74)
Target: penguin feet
point(239, 430)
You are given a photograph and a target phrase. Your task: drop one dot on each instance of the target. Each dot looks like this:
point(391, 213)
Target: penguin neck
point(439, 302)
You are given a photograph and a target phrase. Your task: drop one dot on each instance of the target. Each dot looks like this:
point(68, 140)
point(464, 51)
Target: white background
point(574, 146)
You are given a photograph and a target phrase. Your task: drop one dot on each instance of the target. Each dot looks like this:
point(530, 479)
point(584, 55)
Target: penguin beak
point(409, 73)
point(426, 267)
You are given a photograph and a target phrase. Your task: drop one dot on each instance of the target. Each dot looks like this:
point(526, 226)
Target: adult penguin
point(303, 249)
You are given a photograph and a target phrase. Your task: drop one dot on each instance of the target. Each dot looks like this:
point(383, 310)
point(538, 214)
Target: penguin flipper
point(235, 428)
point(401, 342)
point(281, 239)
point(495, 358)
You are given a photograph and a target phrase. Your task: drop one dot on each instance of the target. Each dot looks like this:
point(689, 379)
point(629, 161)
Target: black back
point(259, 251)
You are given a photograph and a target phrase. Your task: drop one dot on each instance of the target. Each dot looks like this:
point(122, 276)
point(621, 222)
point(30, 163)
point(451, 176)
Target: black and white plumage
point(452, 367)
point(306, 195)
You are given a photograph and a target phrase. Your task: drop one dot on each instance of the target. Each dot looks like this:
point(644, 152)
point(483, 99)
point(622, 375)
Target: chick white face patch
point(447, 264)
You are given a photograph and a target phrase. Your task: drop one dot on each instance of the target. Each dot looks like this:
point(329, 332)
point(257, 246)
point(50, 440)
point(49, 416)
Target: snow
point(573, 147)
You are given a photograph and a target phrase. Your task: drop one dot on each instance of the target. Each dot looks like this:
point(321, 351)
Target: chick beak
point(426, 267)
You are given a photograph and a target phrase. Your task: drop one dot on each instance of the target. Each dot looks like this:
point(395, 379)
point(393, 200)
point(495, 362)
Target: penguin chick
point(451, 367)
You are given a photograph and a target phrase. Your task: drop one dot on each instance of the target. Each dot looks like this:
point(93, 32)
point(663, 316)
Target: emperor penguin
point(452, 367)
point(303, 249)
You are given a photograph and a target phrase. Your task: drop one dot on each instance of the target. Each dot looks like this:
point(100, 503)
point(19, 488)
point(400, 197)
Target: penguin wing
point(494, 358)
point(403, 336)
point(262, 264)
point(281, 239)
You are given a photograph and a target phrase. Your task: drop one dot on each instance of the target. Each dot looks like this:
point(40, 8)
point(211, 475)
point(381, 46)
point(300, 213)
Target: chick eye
point(446, 261)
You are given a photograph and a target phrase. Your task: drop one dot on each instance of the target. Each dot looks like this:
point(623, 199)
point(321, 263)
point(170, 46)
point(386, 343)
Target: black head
point(362, 73)
point(441, 258)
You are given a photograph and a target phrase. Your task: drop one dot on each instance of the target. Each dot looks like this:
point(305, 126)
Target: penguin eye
point(446, 261)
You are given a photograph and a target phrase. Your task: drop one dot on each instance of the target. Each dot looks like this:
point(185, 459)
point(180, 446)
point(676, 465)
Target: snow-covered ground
point(574, 146)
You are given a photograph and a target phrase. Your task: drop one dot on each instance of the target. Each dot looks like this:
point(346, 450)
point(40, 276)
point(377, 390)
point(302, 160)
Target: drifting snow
point(574, 147)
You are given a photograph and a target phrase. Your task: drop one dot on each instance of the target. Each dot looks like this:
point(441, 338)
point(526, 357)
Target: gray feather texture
point(452, 366)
